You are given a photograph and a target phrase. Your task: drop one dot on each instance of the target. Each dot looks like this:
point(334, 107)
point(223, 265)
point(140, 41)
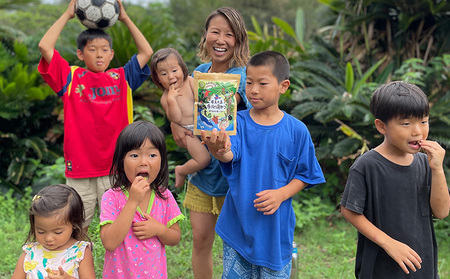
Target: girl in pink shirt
point(138, 215)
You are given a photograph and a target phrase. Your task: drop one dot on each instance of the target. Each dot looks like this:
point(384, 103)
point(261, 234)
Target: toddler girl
point(54, 246)
point(170, 73)
point(138, 215)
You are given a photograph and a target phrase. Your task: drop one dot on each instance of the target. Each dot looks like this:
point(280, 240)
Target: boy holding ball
point(97, 101)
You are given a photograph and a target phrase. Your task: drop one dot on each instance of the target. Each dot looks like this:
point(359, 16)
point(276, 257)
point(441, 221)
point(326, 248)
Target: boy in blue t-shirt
point(393, 190)
point(270, 159)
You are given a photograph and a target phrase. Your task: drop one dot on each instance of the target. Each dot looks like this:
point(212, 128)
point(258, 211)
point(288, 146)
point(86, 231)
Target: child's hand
point(403, 255)
point(122, 14)
point(218, 142)
point(147, 228)
point(173, 93)
point(435, 153)
point(268, 201)
point(138, 189)
point(71, 9)
point(58, 274)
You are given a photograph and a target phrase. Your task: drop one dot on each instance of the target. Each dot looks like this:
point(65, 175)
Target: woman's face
point(220, 40)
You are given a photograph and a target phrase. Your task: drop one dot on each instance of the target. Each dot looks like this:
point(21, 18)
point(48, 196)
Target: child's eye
point(263, 83)
point(133, 155)
point(59, 232)
point(153, 155)
point(230, 35)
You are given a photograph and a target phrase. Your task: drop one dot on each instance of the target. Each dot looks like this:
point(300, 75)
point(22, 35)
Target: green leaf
point(256, 26)
point(300, 27)
point(284, 26)
point(366, 76)
point(349, 77)
point(345, 147)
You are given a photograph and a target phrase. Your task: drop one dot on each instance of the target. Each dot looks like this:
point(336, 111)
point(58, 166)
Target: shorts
point(236, 267)
point(91, 191)
point(199, 201)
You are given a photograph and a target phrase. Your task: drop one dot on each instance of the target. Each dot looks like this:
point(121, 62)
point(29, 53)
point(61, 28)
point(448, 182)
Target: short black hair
point(89, 35)
point(132, 137)
point(399, 99)
point(279, 63)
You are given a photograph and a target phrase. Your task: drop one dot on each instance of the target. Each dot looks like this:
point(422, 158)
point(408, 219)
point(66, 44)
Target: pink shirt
point(136, 258)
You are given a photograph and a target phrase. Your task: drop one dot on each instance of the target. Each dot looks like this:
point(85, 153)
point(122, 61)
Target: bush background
point(339, 52)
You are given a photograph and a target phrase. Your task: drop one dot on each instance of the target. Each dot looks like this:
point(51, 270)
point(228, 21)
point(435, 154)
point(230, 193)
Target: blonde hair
point(241, 51)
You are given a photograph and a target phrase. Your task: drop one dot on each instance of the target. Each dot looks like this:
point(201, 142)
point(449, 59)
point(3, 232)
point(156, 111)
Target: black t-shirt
point(396, 199)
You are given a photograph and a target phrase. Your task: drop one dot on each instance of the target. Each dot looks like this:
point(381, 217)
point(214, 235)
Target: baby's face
point(169, 72)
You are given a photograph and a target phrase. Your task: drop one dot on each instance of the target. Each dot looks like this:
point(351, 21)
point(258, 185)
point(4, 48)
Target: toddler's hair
point(162, 55)
point(237, 23)
point(89, 35)
point(279, 63)
point(60, 200)
point(399, 99)
point(132, 137)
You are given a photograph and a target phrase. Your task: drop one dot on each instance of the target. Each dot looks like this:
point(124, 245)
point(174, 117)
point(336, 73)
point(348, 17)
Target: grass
point(326, 247)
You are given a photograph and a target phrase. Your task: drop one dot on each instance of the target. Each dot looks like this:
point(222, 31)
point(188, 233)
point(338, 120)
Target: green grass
point(326, 247)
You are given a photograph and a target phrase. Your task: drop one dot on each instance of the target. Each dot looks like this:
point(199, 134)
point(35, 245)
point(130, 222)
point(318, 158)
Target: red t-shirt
point(97, 106)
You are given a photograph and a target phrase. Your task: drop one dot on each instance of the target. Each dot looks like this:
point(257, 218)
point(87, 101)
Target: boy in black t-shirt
point(393, 191)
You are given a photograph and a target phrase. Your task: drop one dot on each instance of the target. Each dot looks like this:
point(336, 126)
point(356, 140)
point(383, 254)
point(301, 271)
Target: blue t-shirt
point(265, 157)
point(210, 179)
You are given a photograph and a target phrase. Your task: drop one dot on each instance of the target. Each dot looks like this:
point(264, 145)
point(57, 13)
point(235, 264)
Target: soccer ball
point(97, 14)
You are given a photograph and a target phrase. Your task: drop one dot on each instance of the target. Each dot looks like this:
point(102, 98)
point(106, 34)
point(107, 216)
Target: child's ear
point(284, 85)
point(80, 55)
point(381, 126)
point(112, 54)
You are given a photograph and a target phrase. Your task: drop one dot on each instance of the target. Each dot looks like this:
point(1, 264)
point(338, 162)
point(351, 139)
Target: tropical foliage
point(339, 50)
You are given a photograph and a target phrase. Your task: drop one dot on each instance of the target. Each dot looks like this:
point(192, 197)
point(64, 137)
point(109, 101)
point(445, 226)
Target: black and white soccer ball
point(97, 14)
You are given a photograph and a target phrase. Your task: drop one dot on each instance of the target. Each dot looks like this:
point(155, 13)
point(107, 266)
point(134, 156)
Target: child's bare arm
point(86, 269)
point(439, 198)
point(269, 201)
point(19, 273)
point(151, 227)
point(219, 145)
point(48, 41)
point(112, 235)
point(398, 251)
point(145, 51)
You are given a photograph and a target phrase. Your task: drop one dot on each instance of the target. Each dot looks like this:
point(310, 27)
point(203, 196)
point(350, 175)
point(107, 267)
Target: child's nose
point(144, 160)
point(48, 237)
point(416, 129)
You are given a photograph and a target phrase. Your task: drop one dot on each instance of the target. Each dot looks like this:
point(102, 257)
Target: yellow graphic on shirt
point(30, 265)
point(80, 89)
point(50, 254)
